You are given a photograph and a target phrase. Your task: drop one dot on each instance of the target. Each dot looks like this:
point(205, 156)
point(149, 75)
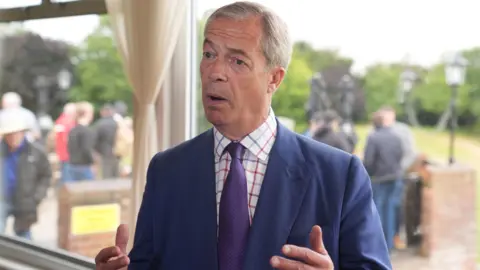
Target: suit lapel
point(281, 196)
point(203, 202)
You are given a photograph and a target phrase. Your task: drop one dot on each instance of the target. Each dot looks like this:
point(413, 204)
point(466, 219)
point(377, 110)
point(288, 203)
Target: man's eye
point(208, 55)
point(239, 62)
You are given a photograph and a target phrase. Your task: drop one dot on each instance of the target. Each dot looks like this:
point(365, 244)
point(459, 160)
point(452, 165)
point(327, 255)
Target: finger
point(305, 255)
point(287, 264)
point(106, 254)
point(121, 238)
point(116, 264)
point(316, 240)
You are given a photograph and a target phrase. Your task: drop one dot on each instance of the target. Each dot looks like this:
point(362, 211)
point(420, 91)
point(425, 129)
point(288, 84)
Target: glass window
point(63, 79)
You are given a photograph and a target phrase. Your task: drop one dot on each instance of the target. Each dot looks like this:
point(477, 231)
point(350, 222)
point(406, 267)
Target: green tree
point(473, 81)
point(99, 69)
point(289, 100)
point(381, 83)
point(318, 60)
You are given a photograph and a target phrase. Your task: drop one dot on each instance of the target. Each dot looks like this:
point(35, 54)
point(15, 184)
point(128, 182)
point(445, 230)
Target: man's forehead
point(242, 29)
point(225, 40)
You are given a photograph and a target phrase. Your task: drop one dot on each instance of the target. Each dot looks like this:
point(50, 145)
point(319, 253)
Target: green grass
point(436, 146)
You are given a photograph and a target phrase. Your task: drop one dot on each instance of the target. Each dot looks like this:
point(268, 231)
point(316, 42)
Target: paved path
point(407, 260)
point(45, 231)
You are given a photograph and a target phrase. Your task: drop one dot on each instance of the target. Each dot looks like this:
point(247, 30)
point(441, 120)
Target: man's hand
point(304, 258)
point(115, 257)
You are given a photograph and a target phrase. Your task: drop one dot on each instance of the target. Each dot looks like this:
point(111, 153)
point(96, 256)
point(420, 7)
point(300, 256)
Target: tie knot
point(235, 150)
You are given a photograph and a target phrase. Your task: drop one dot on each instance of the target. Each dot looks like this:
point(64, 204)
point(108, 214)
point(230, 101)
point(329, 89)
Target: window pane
point(48, 64)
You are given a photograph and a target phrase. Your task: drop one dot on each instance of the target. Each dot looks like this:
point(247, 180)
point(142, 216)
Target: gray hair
point(276, 41)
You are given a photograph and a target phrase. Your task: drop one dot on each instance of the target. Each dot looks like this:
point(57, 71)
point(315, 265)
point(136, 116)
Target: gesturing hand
point(305, 258)
point(115, 257)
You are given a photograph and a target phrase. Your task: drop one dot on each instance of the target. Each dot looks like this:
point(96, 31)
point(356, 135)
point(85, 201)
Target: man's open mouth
point(216, 98)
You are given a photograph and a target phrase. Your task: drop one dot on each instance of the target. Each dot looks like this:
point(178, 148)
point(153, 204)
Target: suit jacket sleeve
point(362, 244)
point(142, 250)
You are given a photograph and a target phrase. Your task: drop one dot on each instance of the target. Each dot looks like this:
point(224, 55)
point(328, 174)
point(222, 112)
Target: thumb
point(121, 239)
point(316, 240)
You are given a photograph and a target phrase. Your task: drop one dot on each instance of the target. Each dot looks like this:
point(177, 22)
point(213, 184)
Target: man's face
point(237, 85)
point(13, 140)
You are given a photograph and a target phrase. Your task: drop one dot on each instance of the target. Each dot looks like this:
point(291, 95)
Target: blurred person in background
point(347, 130)
point(404, 133)
point(63, 125)
point(121, 110)
point(313, 124)
point(12, 100)
point(382, 158)
point(105, 135)
point(327, 131)
point(80, 144)
point(124, 145)
point(26, 174)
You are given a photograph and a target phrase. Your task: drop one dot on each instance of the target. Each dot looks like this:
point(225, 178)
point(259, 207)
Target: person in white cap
point(12, 100)
point(25, 173)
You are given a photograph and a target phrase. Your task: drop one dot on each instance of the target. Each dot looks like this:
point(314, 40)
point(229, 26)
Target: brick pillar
point(449, 218)
point(89, 213)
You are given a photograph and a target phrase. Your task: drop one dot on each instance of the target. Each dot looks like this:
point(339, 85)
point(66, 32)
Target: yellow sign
point(91, 219)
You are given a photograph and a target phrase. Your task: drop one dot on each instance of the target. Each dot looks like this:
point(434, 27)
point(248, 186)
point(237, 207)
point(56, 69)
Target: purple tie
point(234, 219)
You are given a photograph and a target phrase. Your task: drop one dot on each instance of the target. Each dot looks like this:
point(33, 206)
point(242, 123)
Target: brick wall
point(449, 218)
point(90, 193)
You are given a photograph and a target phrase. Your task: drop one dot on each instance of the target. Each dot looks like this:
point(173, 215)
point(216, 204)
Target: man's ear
point(277, 75)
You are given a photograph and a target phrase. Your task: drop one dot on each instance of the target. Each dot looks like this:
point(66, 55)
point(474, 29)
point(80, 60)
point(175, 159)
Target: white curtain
point(146, 33)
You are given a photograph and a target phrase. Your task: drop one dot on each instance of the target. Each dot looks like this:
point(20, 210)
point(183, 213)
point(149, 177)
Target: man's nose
point(218, 70)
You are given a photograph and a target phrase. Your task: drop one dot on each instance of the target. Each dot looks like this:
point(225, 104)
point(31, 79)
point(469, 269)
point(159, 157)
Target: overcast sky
point(366, 30)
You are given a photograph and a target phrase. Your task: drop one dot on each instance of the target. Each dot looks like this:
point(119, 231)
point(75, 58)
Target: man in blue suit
point(249, 193)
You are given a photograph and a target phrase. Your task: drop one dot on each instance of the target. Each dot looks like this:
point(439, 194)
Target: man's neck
point(237, 132)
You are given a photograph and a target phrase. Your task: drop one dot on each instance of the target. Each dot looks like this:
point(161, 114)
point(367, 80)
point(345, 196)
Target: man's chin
point(216, 118)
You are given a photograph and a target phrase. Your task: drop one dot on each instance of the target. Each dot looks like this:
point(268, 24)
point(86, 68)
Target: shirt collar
point(259, 142)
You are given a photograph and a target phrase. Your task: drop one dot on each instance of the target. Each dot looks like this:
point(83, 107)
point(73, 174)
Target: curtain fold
point(146, 33)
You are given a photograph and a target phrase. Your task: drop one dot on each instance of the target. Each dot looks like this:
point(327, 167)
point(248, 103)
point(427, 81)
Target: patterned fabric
point(234, 220)
point(255, 159)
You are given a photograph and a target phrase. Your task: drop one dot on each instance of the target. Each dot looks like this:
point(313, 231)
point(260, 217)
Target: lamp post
point(43, 84)
point(408, 78)
point(455, 67)
point(64, 79)
point(407, 81)
point(347, 99)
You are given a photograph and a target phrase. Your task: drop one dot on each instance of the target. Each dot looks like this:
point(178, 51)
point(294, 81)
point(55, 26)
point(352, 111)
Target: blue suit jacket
point(306, 183)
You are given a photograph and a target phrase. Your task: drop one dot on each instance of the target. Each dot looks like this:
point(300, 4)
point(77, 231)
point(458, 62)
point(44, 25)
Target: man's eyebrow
point(237, 51)
point(206, 41)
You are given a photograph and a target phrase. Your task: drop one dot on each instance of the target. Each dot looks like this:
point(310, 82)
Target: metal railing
point(16, 253)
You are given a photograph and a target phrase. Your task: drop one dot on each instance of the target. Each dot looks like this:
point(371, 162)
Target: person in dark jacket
point(26, 174)
point(105, 136)
point(327, 131)
point(80, 145)
point(382, 159)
